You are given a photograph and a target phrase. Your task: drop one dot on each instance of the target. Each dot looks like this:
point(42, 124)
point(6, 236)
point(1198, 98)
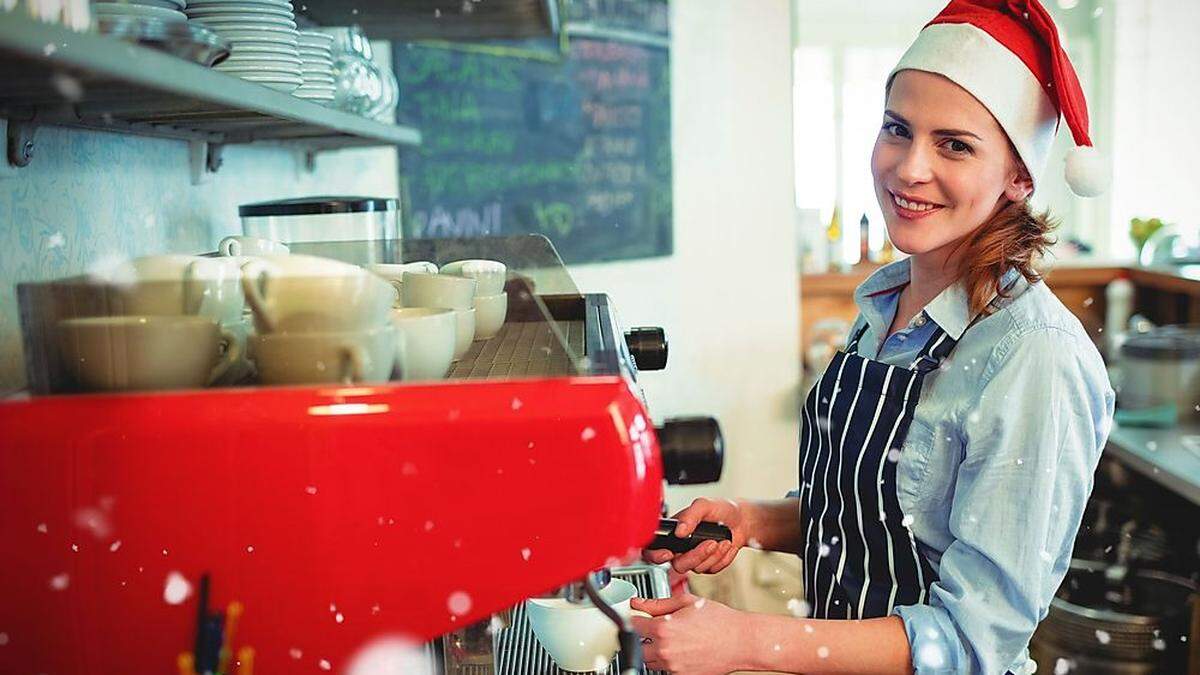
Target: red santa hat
point(1006, 53)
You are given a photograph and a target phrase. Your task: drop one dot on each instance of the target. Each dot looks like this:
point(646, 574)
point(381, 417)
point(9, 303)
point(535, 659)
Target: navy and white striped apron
point(860, 557)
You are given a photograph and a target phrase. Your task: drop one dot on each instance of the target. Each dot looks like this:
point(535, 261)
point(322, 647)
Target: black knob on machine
point(693, 450)
point(648, 346)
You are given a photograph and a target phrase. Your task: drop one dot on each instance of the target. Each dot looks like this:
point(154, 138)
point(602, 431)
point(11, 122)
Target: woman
point(946, 455)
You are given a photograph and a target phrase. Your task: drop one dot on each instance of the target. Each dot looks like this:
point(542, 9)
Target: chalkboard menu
point(576, 148)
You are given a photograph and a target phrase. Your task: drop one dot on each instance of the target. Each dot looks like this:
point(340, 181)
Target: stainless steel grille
point(522, 349)
point(516, 648)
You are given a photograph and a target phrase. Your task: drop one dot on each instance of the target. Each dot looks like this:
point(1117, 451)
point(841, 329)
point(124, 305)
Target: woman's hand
point(711, 556)
point(690, 635)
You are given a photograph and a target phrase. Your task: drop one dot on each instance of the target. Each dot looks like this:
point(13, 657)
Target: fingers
point(691, 516)
point(657, 556)
point(712, 563)
point(685, 562)
point(659, 607)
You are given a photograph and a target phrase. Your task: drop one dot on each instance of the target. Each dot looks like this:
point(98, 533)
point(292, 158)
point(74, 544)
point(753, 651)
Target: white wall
point(1156, 107)
point(728, 297)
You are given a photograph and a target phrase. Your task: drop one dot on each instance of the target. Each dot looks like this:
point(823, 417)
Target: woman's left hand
point(690, 635)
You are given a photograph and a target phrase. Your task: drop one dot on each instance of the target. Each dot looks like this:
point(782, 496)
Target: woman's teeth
point(912, 206)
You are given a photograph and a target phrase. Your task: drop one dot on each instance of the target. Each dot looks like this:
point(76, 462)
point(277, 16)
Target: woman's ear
point(1019, 186)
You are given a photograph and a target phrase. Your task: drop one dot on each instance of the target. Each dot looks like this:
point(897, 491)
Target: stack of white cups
point(432, 333)
point(171, 324)
point(319, 321)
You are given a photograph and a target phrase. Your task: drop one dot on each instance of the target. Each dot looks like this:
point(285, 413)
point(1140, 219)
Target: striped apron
point(860, 557)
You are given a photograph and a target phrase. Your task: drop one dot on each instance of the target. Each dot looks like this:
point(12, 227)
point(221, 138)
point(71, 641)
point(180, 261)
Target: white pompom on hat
point(1007, 54)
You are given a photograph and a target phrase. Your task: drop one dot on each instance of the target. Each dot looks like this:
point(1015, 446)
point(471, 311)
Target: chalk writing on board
point(578, 151)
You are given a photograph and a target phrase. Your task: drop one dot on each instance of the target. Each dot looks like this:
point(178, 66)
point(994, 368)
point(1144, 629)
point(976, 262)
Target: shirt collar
point(950, 309)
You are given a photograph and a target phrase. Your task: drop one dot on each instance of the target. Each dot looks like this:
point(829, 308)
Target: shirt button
point(920, 320)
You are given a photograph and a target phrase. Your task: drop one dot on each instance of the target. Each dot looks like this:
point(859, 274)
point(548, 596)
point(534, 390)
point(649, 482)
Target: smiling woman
point(942, 167)
point(947, 453)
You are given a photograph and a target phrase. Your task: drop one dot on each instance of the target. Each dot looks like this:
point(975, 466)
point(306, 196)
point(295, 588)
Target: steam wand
point(628, 639)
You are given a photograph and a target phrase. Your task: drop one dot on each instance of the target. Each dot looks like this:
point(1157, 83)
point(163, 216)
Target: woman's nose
point(915, 165)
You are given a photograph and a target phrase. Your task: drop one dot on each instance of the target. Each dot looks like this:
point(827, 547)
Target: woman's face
point(942, 164)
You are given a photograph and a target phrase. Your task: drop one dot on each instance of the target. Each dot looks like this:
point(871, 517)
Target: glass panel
point(329, 312)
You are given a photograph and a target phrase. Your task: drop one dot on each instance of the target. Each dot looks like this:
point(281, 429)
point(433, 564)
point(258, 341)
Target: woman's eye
point(895, 129)
point(958, 146)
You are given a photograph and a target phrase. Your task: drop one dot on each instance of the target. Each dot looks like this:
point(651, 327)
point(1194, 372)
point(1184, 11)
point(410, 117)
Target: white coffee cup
point(394, 274)
point(490, 311)
point(488, 274)
point(175, 284)
point(437, 290)
point(464, 331)
point(242, 368)
point(291, 293)
point(429, 337)
point(578, 636)
point(238, 245)
point(133, 353)
point(345, 357)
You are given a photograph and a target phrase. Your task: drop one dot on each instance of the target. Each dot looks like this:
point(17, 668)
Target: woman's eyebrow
point(936, 132)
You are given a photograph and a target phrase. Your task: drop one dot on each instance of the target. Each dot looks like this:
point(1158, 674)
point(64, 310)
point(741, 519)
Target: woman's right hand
point(709, 557)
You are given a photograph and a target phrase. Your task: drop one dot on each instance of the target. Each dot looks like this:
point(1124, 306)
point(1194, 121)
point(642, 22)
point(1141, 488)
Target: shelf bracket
point(204, 159)
point(20, 142)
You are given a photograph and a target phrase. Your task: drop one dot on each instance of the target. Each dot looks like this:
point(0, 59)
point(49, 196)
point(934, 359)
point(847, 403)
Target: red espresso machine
point(324, 525)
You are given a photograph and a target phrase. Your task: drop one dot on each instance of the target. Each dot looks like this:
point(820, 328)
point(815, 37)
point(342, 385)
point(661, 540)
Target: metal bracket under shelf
point(204, 159)
point(19, 137)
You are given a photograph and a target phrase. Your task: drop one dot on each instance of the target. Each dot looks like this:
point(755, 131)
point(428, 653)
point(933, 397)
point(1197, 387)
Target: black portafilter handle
point(648, 347)
point(693, 450)
point(664, 536)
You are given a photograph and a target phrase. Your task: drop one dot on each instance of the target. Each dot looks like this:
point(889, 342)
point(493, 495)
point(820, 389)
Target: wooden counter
point(1165, 296)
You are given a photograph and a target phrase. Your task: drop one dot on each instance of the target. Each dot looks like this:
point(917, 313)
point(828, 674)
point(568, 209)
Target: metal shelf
point(440, 19)
point(50, 75)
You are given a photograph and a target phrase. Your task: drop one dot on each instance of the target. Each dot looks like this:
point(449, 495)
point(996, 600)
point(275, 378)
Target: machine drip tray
point(517, 651)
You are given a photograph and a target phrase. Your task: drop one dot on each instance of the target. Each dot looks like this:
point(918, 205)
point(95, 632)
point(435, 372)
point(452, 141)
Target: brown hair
point(1014, 237)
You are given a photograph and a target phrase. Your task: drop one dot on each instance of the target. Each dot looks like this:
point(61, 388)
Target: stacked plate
point(263, 37)
point(166, 10)
point(316, 66)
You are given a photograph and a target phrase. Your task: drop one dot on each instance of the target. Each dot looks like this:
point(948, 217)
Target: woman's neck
point(929, 274)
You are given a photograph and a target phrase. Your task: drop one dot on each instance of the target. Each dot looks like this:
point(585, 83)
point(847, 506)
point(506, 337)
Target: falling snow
point(808, 628)
point(59, 582)
point(249, 549)
point(1063, 666)
point(823, 652)
point(525, 553)
point(295, 653)
point(894, 455)
point(699, 604)
point(906, 521)
point(459, 603)
point(3, 639)
point(114, 546)
point(42, 528)
point(339, 617)
point(1103, 637)
point(428, 525)
point(311, 489)
point(1159, 644)
point(94, 520)
point(516, 404)
point(324, 665)
point(798, 608)
point(588, 434)
point(823, 550)
point(177, 589)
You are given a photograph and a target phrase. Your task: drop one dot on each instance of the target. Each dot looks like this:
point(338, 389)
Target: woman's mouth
point(912, 209)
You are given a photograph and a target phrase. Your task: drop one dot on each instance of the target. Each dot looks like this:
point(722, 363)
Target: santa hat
point(1006, 53)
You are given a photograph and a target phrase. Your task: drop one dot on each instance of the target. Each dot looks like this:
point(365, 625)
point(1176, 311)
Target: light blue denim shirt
point(997, 466)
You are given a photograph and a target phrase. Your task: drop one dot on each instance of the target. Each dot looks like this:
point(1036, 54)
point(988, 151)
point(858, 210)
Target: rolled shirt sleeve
point(1032, 442)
